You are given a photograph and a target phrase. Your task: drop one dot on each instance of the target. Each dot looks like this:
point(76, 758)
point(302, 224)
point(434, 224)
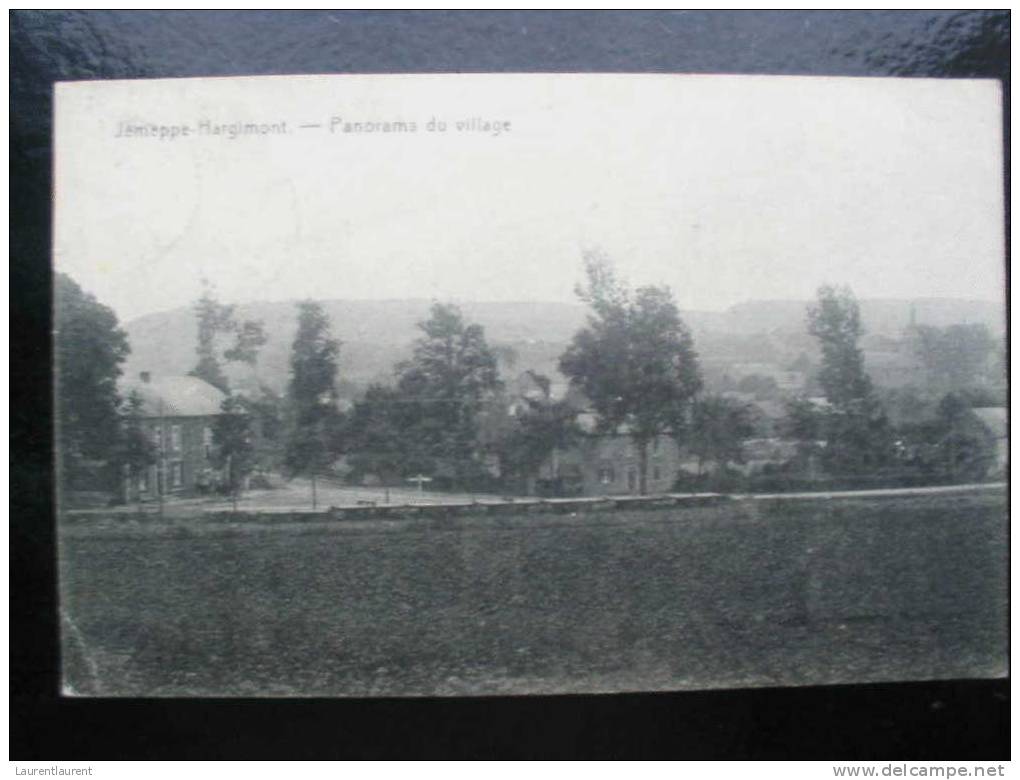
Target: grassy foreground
point(747, 594)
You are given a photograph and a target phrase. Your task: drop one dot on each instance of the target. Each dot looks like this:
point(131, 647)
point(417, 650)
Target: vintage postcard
point(505, 384)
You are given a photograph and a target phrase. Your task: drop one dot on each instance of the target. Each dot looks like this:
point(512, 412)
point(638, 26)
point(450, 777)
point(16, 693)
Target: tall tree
point(134, 451)
point(265, 408)
point(312, 443)
point(213, 318)
point(215, 321)
point(804, 423)
point(835, 321)
point(541, 426)
point(235, 444)
point(956, 357)
point(89, 348)
point(718, 430)
point(377, 436)
point(634, 361)
point(249, 337)
point(452, 371)
point(857, 432)
point(965, 447)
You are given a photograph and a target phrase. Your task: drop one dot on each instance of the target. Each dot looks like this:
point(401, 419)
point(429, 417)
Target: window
point(655, 444)
point(176, 474)
point(607, 475)
point(143, 481)
point(175, 438)
point(656, 472)
point(157, 437)
point(631, 479)
point(207, 441)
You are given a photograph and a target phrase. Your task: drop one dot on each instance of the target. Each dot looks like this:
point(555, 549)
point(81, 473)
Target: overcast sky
point(724, 188)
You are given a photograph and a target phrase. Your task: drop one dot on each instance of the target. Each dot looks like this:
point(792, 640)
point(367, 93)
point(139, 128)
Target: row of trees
point(635, 367)
point(446, 413)
point(952, 357)
point(634, 362)
point(850, 435)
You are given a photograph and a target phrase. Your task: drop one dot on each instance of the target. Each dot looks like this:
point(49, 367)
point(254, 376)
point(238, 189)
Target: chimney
point(145, 377)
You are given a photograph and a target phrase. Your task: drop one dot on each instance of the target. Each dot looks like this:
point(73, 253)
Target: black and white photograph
point(500, 384)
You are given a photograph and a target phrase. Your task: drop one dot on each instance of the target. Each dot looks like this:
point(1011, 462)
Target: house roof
point(526, 386)
point(994, 419)
point(176, 396)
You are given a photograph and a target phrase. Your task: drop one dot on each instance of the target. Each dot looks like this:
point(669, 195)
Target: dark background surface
point(910, 720)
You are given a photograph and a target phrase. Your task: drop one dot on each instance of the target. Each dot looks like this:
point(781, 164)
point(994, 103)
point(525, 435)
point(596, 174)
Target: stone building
point(608, 465)
point(177, 414)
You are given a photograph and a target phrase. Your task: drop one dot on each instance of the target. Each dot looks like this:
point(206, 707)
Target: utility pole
point(161, 473)
point(233, 483)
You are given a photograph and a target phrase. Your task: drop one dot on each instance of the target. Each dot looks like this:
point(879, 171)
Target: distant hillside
point(378, 334)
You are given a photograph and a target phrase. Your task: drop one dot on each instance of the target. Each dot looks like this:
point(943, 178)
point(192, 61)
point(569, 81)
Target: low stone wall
point(523, 506)
point(508, 507)
point(499, 508)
